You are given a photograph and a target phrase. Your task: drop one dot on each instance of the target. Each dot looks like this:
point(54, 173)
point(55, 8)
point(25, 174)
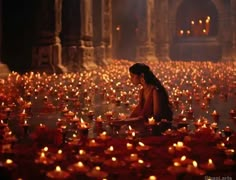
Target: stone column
point(99, 44)
point(145, 48)
point(86, 49)
point(71, 32)
point(233, 20)
point(47, 48)
point(225, 32)
point(107, 28)
point(4, 71)
point(162, 30)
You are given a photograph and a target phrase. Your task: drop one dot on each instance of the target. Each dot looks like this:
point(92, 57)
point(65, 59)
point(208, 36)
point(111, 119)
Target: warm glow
point(152, 178)
point(9, 161)
point(183, 158)
point(82, 152)
point(113, 158)
point(118, 28)
point(141, 144)
point(80, 164)
point(195, 163)
point(140, 161)
point(59, 151)
point(45, 149)
point(97, 168)
point(42, 155)
point(210, 161)
point(176, 164)
point(111, 148)
point(151, 120)
point(180, 144)
point(58, 168)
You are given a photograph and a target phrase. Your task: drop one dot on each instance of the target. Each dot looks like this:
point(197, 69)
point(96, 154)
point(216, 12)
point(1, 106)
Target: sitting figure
point(153, 98)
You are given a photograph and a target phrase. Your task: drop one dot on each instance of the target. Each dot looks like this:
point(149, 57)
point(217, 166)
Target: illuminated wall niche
point(196, 19)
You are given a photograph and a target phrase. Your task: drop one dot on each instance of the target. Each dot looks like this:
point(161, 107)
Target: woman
point(153, 97)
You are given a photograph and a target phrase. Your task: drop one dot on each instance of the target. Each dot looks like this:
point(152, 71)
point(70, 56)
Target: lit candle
point(215, 116)
point(151, 121)
point(58, 173)
point(133, 157)
point(193, 169)
point(142, 147)
point(129, 146)
point(103, 136)
point(210, 165)
point(96, 172)
point(152, 177)
point(78, 167)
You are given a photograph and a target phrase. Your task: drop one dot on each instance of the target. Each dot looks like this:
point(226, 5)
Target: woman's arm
point(138, 108)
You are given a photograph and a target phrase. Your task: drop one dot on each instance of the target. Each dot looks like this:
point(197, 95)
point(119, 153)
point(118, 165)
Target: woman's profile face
point(135, 79)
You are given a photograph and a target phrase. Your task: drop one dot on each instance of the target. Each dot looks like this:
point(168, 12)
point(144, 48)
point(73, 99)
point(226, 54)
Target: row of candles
point(180, 164)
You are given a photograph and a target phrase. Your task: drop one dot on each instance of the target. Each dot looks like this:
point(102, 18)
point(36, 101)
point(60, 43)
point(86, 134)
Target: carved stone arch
point(221, 38)
point(219, 5)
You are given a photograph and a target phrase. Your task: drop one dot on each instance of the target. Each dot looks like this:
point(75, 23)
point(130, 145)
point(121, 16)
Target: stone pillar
point(4, 71)
point(162, 30)
point(71, 34)
point(233, 20)
point(86, 49)
point(145, 47)
point(99, 45)
point(107, 28)
point(47, 48)
point(225, 31)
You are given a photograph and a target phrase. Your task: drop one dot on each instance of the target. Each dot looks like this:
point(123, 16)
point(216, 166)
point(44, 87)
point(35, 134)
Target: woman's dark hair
point(150, 78)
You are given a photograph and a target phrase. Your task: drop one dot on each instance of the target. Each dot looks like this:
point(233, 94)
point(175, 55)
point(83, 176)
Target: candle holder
point(150, 128)
point(227, 131)
point(78, 167)
point(97, 173)
point(114, 163)
point(232, 114)
point(58, 173)
point(215, 116)
point(63, 131)
point(26, 128)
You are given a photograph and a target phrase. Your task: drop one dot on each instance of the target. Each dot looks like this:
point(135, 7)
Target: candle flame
point(180, 144)
point(113, 158)
point(140, 161)
point(42, 155)
point(141, 144)
point(97, 168)
point(152, 177)
point(58, 168)
point(9, 161)
point(176, 164)
point(210, 161)
point(183, 158)
point(45, 149)
point(195, 163)
point(82, 152)
point(80, 164)
point(111, 148)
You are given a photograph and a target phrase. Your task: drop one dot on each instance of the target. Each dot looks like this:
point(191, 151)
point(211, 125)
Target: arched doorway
point(196, 31)
point(124, 29)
